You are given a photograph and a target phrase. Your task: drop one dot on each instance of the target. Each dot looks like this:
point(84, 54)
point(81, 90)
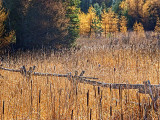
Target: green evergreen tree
point(115, 6)
point(98, 9)
point(72, 7)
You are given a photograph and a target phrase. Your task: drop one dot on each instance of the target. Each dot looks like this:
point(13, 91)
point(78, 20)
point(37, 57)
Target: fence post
point(120, 101)
point(88, 105)
point(3, 111)
point(39, 107)
point(74, 82)
point(111, 95)
point(31, 98)
point(29, 76)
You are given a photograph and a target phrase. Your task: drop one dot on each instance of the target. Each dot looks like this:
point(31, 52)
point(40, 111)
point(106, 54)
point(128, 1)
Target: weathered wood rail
point(145, 88)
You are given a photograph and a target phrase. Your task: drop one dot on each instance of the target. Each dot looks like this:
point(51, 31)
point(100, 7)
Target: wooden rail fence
point(145, 88)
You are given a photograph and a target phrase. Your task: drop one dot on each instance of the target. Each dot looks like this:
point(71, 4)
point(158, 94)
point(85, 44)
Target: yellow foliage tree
point(123, 5)
point(151, 7)
point(89, 22)
point(84, 26)
point(134, 7)
point(123, 24)
point(145, 11)
point(151, 10)
point(157, 27)
point(139, 29)
point(4, 39)
point(109, 22)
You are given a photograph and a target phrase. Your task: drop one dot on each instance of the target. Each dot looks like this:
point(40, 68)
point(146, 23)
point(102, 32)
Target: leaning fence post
point(153, 92)
point(23, 71)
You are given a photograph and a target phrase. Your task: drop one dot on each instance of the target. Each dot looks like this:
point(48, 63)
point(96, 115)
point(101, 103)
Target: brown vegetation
point(127, 58)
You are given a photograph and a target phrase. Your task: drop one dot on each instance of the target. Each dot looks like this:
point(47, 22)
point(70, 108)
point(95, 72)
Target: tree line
point(37, 23)
point(122, 15)
point(57, 23)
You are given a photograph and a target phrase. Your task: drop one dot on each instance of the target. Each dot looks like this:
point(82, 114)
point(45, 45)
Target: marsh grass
point(129, 59)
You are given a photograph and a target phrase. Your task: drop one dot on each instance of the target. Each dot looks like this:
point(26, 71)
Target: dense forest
point(58, 23)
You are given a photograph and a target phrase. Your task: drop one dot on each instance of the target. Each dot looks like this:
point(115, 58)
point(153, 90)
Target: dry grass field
point(129, 59)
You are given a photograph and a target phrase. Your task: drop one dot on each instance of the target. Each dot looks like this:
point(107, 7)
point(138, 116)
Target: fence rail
point(145, 88)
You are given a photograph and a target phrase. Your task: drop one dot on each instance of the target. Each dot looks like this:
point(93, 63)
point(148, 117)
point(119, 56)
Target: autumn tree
point(124, 8)
point(123, 24)
point(144, 11)
point(5, 38)
point(134, 7)
point(157, 27)
point(84, 26)
point(151, 10)
point(91, 15)
point(133, 10)
point(109, 22)
point(39, 22)
point(89, 22)
point(139, 29)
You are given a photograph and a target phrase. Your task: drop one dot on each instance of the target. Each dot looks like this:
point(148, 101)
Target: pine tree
point(96, 26)
point(72, 7)
point(98, 9)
